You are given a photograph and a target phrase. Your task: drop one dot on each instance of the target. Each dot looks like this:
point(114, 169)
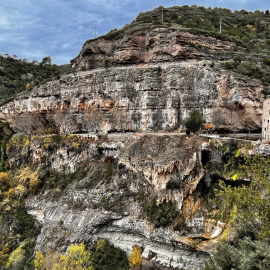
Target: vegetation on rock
point(135, 258)
point(76, 257)
point(102, 256)
point(247, 205)
point(162, 214)
point(18, 75)
point(244, 206)
point(249, 30)
point(194, 122)
point(240, 254)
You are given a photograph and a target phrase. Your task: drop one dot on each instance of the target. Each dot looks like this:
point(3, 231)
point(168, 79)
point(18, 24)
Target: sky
point(33, 29)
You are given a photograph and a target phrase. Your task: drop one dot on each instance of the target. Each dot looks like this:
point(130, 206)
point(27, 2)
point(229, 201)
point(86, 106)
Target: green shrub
point(107, 63)
point(109, 169)
point(163, 214)
point(106, 256)
point(25, 223)
point(246, 254)
point(194, 122)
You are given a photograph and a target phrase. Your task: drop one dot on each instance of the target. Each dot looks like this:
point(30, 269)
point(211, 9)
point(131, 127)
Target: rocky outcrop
point(150, 98)
point(150, 45)
point(114, 208)
point(118, 169)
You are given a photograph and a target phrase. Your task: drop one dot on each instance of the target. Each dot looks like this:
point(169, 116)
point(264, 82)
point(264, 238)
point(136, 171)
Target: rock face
point(155, 44)
point(145, 88)
point(92, 208)
point(150, 98)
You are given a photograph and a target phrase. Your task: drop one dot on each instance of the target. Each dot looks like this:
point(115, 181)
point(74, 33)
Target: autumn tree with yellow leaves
point(77, 257)
point(4, 178)
point(135, 258)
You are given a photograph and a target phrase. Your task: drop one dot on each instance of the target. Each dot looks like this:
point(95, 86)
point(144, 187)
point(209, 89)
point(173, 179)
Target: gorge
point(108, 145)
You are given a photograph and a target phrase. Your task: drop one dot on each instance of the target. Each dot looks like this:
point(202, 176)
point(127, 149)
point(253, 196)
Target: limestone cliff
point(136, 98)
point(152, 81)
point(114, 206)
point(151, 45)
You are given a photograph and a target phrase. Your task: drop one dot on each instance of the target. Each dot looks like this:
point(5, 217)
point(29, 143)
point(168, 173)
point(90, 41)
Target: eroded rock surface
point(115, 208)
point(158, 97)
point(150, 45)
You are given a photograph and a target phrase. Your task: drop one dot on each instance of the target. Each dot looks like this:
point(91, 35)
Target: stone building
point(266, 121)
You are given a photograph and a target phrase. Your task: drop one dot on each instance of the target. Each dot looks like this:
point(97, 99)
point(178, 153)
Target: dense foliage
point(76, 257)
point(162, 214)
point(103, 256)
point(244, 205)
point(17, 75)
point(241, 254)
point(247, 205)
point(106, 256)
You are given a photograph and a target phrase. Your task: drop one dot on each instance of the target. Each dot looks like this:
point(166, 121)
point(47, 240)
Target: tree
point(47, 60)
point(105, 256)
point(107, 63)
point(39, 261)
point(135, 258)
point(194, 122)
point(4, 179)
point(245, 254)
point(247, 205)
point(77, 257)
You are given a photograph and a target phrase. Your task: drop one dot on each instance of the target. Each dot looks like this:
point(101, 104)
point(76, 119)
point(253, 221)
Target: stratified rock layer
point(150, 44)
point(154, 97)
point(115, 208)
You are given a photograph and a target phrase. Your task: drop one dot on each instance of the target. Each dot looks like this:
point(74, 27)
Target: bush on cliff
point(102, 256)
point(246, 209)
point(249, 204)
point(106, 256)
point(245, 254)
point(194, 122)
point(17, 75)
point(163, 214)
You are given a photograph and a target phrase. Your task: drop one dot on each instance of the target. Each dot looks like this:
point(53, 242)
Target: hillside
point(97, 171)
point(18, 75)
point(250, 31)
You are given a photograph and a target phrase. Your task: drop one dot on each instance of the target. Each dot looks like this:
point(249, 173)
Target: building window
point(268, 121)
point(264, 129)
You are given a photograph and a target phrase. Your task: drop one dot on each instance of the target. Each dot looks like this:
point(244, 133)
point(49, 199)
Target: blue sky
point(33, 29)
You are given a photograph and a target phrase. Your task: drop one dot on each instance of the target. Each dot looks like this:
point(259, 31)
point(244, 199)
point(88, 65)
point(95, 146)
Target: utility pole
point(220, 25)
point(162, 15)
